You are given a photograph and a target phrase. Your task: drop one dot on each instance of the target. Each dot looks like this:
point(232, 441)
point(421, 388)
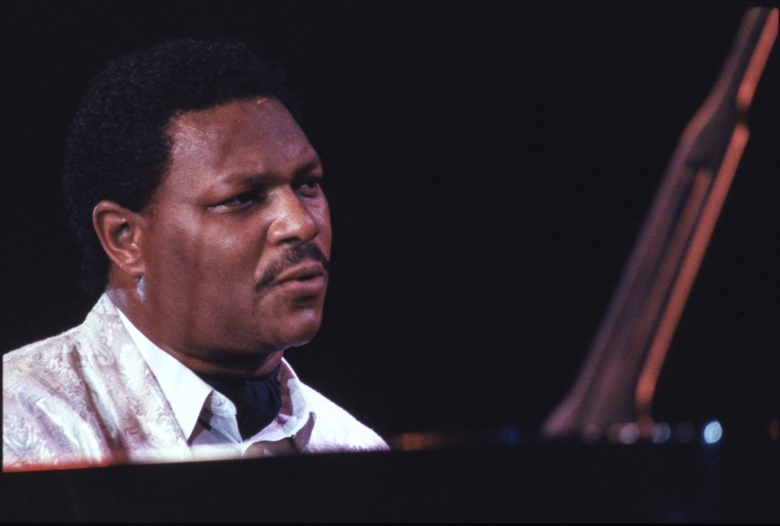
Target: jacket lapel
point(126, 392)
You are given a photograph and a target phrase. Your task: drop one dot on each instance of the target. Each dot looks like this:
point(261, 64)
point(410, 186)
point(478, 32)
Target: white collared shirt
point(208, 418)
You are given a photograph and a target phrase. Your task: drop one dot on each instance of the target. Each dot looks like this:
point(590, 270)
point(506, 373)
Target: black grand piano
point(507, 477)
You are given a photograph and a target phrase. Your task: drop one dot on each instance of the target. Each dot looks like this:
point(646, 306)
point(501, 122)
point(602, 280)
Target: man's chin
point(300, 330)
point(305, 336)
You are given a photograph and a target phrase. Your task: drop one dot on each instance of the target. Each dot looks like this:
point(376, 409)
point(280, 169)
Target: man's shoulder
point(43, 391)
point(41, 361)
point(50, 374)
point(54, 348)
point(336, 429)
point(86, 392)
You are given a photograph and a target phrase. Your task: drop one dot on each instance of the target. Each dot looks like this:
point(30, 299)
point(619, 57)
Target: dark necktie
point(257, 401)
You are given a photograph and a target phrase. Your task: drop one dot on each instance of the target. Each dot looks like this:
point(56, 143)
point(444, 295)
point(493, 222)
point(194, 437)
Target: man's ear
point(121, 233)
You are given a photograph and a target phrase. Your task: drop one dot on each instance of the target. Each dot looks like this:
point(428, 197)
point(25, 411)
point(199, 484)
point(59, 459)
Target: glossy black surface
point(548, 482)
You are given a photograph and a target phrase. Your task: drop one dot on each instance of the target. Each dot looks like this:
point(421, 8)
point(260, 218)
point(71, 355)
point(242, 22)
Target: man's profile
point(196, 197)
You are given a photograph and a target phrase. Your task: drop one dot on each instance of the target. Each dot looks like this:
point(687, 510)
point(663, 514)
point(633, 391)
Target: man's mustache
point(291, 258)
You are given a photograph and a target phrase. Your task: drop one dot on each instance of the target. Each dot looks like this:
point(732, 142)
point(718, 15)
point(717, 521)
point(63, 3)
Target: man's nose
point(293, 221)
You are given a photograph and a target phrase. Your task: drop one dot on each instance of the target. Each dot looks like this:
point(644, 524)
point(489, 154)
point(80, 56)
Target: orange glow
point(418, 441)
point(756, 66)
point(61, 462)
point(690, 266)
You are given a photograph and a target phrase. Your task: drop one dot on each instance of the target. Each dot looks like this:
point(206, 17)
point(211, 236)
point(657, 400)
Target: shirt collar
point(187, 393)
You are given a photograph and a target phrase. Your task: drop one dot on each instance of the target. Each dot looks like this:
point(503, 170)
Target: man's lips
point(299, 264)
point(303, 272)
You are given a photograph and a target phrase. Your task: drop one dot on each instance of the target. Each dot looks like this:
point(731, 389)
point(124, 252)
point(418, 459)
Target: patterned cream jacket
point(87, 397)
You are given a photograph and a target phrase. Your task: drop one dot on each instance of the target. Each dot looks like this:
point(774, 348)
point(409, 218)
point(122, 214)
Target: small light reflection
point(712, 432)
point(507, 435)
point(685, 432)
point(661, 433)
point(774, 429)
point(629, 433)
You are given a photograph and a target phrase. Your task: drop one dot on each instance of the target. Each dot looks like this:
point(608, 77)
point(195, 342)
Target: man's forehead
point(230, 120)
point(259, 127)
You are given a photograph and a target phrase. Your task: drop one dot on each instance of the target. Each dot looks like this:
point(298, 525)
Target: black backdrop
point(488, 167)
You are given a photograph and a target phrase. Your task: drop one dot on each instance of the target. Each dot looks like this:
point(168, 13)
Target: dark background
point(488, 167)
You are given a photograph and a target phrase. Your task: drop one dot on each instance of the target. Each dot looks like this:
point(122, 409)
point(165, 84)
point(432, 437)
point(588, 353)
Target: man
point(196, 197)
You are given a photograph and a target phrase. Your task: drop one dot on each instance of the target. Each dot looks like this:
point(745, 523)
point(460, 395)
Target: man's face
point(238, 235)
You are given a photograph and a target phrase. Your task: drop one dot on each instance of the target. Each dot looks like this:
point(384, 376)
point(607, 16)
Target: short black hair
point(118, 146)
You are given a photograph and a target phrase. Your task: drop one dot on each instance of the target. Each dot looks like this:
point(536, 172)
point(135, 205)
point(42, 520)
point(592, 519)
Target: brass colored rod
point(617, 381)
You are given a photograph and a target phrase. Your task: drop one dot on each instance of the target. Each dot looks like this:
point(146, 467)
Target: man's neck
point(256, 365)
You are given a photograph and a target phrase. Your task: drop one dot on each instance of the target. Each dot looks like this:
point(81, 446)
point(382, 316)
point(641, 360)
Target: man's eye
point(241, 201)
point(310, 187)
